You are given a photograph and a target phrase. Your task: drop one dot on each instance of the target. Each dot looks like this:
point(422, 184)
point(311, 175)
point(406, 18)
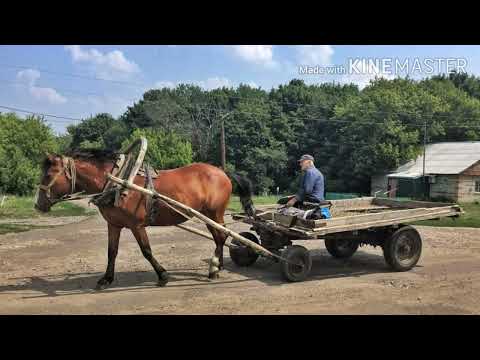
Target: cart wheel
point(243, 255)
point(341, 248)
point(299, 255)
point(403, 248)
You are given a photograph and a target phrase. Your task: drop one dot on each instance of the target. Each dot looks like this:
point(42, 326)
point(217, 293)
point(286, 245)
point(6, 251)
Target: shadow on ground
point(268, 272)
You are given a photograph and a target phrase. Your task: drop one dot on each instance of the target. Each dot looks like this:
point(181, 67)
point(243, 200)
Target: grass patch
point(471, 218)
point(16, 228)
point(22, 207)
point(235, 205)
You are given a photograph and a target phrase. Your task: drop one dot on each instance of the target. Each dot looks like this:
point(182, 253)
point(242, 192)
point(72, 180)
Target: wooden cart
point(354, 222)
point(369, 220)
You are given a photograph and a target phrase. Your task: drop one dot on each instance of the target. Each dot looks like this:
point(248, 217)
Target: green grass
point(19, 207)
point(471, 218)
point(235, 205)
point(15, 228)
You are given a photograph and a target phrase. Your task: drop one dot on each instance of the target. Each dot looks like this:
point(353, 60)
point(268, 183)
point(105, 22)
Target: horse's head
point(58, 179)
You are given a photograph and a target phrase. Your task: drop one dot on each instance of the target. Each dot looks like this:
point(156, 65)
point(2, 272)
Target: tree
point(251, 147)
point(91, 132)
point(23, 144)
point(166, 150)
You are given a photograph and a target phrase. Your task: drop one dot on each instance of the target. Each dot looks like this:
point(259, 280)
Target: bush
point(23, 145)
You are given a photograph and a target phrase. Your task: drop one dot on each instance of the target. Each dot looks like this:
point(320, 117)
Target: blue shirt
point(312, 184)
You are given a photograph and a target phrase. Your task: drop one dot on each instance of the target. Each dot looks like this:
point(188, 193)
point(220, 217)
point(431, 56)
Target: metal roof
point(442, 158)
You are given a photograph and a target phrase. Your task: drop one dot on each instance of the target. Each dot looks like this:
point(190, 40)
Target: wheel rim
point(297, 265)
point(406, 248)
point(344, 245)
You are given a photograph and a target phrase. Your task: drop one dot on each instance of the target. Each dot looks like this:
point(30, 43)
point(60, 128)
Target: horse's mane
point(97, 154)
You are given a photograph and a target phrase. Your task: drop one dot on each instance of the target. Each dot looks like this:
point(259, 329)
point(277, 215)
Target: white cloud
point(49, 94)
point(30, 77)
point(257, 54)
point(208, 84)
point(165, 84)
point(215, 83)
point(314, 54)
point(106, 64)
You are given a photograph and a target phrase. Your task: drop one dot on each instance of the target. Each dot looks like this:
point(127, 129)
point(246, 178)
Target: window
point(477, 186)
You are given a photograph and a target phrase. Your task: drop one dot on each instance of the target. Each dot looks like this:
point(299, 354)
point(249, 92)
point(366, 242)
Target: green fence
point(340, 196)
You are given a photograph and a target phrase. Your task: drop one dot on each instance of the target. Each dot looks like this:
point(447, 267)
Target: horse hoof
point(102, 284)
point(161, 283)
point(162, 279)
point(213, 276)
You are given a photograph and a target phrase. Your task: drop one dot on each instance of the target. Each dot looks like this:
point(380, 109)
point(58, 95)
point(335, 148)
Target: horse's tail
point(245, 190)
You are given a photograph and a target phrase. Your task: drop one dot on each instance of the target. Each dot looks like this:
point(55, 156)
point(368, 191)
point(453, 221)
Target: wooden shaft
point(201, 233)
point(192, 212)
point(138, 162)
point(195, 231)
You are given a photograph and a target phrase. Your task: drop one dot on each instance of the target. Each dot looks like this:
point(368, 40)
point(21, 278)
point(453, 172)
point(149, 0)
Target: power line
point(74, 75)
point(248, 113)
point(222, 96)
point(38, 113)
point(66, 91)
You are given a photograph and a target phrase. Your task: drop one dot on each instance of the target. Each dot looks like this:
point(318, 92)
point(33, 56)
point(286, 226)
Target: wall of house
point(457, 188)
point(445, 187)
point(466, 189)
point(378, 183)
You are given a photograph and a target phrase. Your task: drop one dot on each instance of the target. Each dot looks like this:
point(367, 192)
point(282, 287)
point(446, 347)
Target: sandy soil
point(54, 271)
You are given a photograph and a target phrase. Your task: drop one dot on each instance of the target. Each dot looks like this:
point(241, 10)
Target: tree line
point(352, 133)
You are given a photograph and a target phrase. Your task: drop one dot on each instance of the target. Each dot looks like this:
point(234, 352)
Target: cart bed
point(355, 214)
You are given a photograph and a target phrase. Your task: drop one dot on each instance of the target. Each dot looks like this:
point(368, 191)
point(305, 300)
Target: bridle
point(70, 171)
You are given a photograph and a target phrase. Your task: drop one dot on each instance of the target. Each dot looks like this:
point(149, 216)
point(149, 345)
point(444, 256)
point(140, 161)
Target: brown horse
point(201, 186)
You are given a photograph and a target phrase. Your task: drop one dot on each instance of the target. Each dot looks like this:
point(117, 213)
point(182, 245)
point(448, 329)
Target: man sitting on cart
point(312, 188)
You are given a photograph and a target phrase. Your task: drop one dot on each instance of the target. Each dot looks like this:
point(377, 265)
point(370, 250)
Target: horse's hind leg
point(113, 239)
point(216, 263)
point(142, 239)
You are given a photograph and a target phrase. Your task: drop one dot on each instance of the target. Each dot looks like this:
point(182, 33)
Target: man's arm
point(300, 196)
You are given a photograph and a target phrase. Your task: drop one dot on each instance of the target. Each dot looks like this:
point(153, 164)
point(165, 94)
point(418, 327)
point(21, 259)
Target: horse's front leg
point(142, 239)
point(113, 239)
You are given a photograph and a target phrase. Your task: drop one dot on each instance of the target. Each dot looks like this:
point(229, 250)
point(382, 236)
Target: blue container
point(326, 213)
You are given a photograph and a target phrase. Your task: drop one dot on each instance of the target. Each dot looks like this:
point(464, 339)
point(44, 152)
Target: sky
point(73, 82)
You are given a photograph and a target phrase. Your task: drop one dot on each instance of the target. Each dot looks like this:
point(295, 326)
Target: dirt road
point(54, 271)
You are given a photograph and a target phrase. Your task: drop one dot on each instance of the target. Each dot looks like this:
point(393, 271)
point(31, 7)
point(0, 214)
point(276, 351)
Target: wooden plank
point(351, 203)
point(400, 220)
point(385, 215)
point(408, 204)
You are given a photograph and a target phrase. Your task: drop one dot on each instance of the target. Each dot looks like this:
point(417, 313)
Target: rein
point(70, 171)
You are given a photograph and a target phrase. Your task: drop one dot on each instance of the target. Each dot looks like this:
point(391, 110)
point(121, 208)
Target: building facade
point(452, 173)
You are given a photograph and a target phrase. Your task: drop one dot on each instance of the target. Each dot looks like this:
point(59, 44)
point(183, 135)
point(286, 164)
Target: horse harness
point(70, 171)
point(103, 198)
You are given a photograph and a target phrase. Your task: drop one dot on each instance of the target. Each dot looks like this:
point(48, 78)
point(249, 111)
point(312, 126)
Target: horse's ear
point(50, 158)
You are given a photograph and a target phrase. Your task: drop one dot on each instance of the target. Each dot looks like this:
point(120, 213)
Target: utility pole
point(222, 142)
point(424, 155)
point(424, 144)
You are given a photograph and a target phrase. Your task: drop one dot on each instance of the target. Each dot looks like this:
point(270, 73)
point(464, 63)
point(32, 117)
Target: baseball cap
point(306, 157)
